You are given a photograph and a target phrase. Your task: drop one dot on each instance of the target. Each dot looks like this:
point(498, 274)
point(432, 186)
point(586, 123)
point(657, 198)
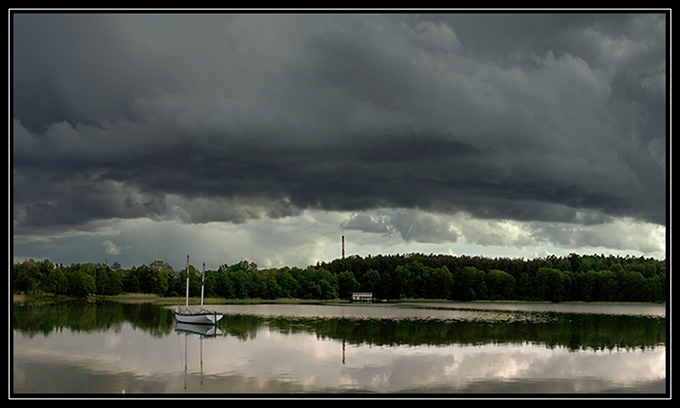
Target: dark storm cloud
point(524, 117)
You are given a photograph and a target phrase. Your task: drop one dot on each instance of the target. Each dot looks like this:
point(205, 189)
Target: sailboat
point(203, 315)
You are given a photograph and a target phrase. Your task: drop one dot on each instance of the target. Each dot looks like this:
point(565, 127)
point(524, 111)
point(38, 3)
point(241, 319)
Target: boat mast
point(202, 284)
point(187, 281)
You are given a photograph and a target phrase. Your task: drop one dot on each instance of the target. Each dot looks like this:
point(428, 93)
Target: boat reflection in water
point(202, 331)
point(199, 329)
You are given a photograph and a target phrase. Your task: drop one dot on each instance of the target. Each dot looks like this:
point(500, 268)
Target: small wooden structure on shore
point(362, 297)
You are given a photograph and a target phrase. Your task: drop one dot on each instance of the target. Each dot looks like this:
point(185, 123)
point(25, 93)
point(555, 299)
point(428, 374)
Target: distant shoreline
point(169, 301)
point(172, 301)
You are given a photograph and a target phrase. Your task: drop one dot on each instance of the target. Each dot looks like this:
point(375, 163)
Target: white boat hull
point(198, 317)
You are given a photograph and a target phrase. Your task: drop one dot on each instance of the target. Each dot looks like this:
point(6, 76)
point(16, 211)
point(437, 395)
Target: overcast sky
point(267, 137)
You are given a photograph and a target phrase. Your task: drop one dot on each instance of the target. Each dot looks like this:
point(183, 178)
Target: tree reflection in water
point(105, 347)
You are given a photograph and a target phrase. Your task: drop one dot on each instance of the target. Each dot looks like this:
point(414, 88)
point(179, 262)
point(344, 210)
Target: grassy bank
point(169, 301)
point(172, 301)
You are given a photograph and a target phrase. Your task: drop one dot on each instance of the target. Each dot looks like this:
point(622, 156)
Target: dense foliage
point(575, 277)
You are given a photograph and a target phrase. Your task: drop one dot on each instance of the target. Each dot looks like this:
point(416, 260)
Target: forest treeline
point(588, 278)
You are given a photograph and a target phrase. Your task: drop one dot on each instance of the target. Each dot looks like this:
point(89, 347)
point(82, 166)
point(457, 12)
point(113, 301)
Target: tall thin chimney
point(343, 246)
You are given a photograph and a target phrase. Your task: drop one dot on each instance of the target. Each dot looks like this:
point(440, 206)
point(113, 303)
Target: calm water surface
point(439, 348)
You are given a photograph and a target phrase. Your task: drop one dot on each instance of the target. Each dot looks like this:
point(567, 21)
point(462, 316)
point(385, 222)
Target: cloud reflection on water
point(274, 362)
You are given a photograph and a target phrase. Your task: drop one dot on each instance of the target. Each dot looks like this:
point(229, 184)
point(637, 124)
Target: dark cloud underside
point(115, 115)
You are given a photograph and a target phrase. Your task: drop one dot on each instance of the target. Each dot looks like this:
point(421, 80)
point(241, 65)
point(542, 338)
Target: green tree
point(26, 276)
point(568, 281)
point(408, 280)
point(241, 283)
point(439, 283)
point(221, 284)
point(290, 287)
point(318, 284)
point(155, 280)
point(131, 282)
point(370, 281)
point(550, 285)
point(609, 288)
point(328, 283)
point(161, 278)
point(81, 281)
point(383, 292)
point(500, 285)
point(243, 266)
point(55, 282)
point(108, 281)
point(523, 286)
point(271, 288)
point(347, 284)
point(471, 284)
point(591, 286)
point(634, 286)
point(258, 283)
point(657, 288)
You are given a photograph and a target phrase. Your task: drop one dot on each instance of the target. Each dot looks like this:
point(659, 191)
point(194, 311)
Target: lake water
point(424, 349)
